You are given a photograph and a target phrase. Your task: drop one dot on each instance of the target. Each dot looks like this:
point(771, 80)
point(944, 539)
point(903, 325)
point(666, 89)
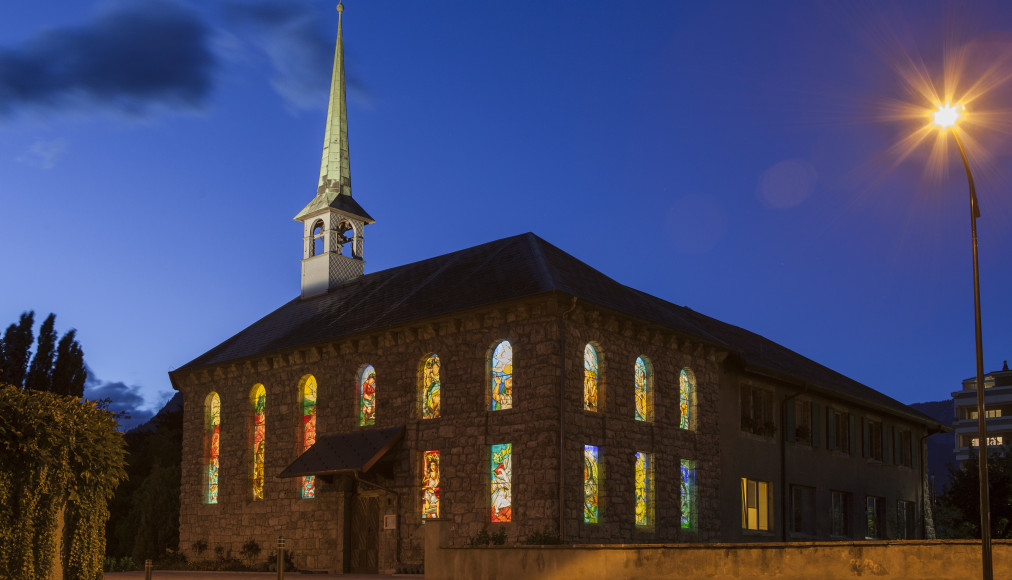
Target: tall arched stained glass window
point(212, 427)
point(367, 396)
point(591, 483)
point(430, 387)
point(258, 399)
point(501, 386)
point(644, 488)
point(688, 494)
point(307, 392)
point(643, 379)
point(590, 378)
point(686, 394)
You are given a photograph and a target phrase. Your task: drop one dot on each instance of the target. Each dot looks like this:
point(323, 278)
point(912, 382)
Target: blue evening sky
point(732, 157)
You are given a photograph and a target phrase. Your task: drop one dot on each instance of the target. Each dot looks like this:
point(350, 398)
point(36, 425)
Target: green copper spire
point(335, 167)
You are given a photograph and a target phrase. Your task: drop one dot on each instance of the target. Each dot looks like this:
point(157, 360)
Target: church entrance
point(364, 536)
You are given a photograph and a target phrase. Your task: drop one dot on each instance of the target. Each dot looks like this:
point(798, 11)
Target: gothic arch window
point(430, 386)
point(307, 395)
point(686, 398)
point(643, 379)
point(501, 377)
point(212, 427)
point(591, 378)
point(367, 396)
point(258, 404)
point(319, 239)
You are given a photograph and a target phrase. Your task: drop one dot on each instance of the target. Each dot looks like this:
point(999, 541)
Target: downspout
point(783, 463)
point(562, 420)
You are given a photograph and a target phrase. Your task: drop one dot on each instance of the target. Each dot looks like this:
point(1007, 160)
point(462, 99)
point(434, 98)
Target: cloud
point(43, 154)
point(131, 57)
point(122, 398)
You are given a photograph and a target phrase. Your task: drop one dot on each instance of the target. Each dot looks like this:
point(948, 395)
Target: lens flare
point(947, 115)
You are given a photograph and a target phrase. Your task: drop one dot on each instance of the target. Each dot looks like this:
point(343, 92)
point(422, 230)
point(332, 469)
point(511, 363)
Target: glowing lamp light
point(947, 115)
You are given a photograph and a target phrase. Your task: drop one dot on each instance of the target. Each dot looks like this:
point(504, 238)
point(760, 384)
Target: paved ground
point(180, 575)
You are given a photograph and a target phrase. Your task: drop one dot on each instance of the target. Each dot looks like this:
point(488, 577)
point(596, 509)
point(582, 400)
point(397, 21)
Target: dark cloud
point(131, 57)
point(122, 398)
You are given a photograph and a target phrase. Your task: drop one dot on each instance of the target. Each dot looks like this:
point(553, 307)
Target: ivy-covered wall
point(56, 452)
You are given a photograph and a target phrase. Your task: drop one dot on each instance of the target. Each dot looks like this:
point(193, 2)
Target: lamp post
point(946, 117)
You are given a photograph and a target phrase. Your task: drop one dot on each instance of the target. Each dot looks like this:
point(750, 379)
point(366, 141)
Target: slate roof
point(509, 269)
point(355, 451)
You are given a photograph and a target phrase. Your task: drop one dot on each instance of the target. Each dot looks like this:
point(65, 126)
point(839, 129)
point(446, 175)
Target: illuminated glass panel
point(590, 484)
point(590, 378)
point(367, 396)
point(688, 493)
point(501, 388)
point(212, 426)
point(259, 399)
point(642, 379)
point(501, 470)
point(644, 488)
point(686, 386)
point(430, 484)
point(756, 497)
point(430, 387)
point(308, 429)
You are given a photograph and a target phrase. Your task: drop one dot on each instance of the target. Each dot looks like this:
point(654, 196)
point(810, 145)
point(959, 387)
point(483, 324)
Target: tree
point(40, 373)
point(69, 373)
point(959, 504)
point(16, 343)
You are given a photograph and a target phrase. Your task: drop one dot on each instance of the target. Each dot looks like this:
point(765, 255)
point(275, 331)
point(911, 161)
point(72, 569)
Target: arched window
point(430, 387)
point(212, 426)
point(367, 396)
point(319, 239)
point(591, 482)
point(307, 393)
point(590, 378)
point(643, 390)
point(258, 402)
point(686, 397)
point(501, 384)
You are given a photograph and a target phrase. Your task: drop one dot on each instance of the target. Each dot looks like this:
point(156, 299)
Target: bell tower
point(333, 221)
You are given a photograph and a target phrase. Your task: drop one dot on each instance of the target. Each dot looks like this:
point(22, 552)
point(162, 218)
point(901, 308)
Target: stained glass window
point(688, 492)
point(686, 393)
point(502, 377)
point(308, 392)
point(212, 427)
point(501, 469)
point(590, 484)
point(430, 387)
point(644, 488)
point(642, 378)
point(258, 398)
point(367, 396)
point(590, 377)
point(430, 484)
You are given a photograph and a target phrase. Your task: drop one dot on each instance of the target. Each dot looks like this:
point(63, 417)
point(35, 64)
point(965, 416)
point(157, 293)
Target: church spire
point(335, 168)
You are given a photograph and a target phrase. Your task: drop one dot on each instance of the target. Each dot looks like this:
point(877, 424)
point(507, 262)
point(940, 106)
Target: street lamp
point(946, 117)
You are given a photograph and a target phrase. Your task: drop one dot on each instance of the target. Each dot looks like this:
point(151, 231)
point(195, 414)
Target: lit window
point(991, 441)
point(644, 485)
point(686, 397)
point(307, 393)
point(688, 494)
point(258, 400)
point(430, 484)
point(501, 384)
point(430, 387)
point(590, 378)
point(367, 396)
point(756, 499)
point(501, 467)
point(643, 378)
point(212, 427)
point(590, 484)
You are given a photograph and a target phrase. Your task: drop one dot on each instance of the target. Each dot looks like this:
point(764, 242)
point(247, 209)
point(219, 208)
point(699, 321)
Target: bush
point(483, 538)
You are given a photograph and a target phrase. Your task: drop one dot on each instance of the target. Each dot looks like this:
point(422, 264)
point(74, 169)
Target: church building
point(515, 392)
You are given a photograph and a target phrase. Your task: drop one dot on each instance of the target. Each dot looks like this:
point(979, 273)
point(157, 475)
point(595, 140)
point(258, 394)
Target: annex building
point(511, 388)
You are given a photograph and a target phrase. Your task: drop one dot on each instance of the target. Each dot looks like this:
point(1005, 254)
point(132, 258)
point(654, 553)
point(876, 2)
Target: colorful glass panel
point(367, 396)
point(259, 399)
point(430, 387)
point(590, 377)
point(501, 469)
point(502, 377)
point(213, 428)
point(430, 485)
point(308, 430)
point(688, 492)
point(590, 484)
point(643, 488)
point(686, 385)
point(641, 376)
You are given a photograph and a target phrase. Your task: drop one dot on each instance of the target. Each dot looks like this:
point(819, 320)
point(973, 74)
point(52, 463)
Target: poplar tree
point(17, 342)
point(40, 372)
point(69, 372)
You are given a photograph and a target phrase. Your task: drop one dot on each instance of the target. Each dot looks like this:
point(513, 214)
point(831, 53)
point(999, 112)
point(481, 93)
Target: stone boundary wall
point(921, 559)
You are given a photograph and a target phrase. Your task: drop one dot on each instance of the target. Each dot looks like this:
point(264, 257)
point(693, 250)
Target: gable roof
point(510, 269)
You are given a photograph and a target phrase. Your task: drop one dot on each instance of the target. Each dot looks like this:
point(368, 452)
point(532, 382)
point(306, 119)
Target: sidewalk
point(184, 574)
